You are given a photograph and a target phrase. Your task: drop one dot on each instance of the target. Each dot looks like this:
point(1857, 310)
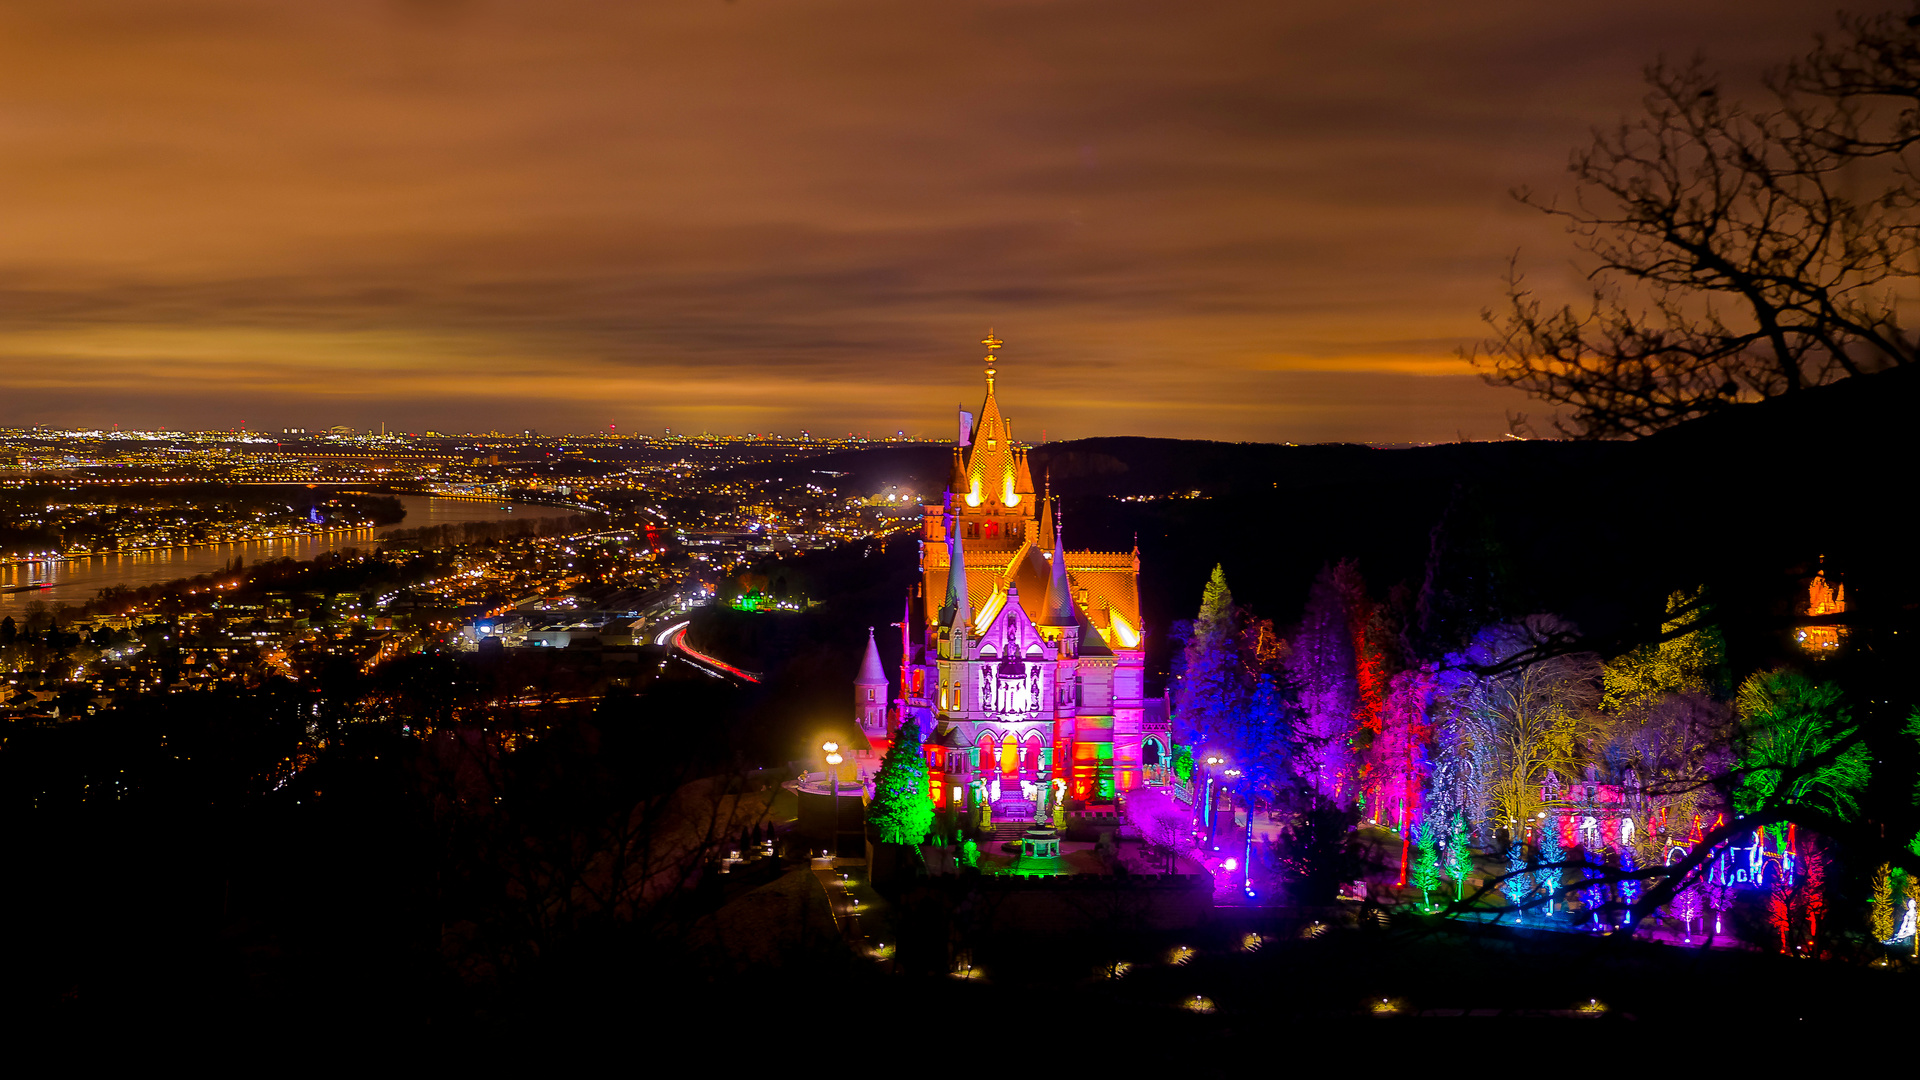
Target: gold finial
point(991, 343)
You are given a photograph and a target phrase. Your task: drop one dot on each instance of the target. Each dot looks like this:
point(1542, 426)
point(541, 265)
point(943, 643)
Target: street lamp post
point(1246, 856)
point(1246, 853)
point(1213, 812)
point(833, 770)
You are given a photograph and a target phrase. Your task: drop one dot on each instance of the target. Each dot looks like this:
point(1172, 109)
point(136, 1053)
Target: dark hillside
point(1744, 502)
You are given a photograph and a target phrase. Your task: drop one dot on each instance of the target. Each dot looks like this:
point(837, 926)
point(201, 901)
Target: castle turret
point(1060, 610)
point(957, 612)
point(870, 692)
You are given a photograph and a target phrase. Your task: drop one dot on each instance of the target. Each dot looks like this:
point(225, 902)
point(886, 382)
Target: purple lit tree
point(1719, 893)
point(1629, 887)
point(1322, 667)
point(1688, 904)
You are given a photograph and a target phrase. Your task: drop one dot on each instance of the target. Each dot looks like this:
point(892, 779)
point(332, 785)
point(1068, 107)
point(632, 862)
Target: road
point(675, 638)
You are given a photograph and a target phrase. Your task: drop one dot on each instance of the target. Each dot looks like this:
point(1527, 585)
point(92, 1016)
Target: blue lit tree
point(1550, 853)
point(1518, 884)
point(1629, 887)
point(1213, 681)
point(1593, 865)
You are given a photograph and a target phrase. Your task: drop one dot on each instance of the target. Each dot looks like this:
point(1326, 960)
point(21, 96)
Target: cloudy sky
point(1256, 219)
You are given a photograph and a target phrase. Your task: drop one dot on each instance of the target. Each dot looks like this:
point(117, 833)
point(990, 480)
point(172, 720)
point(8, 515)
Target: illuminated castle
point(1022, 661)
point(1824, 599)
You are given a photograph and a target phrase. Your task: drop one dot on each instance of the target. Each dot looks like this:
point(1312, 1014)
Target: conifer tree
point(902, 810)
point(1913, 901)
point(1212, 682)
point(1322, 666)
point(1460, 856)
point(1815, 902)
point(1550, 852)
point(1518, 883)
point(1882, 914)
point(1426, 866)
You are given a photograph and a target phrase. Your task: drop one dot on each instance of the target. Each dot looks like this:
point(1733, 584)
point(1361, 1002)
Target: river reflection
point(79, 580)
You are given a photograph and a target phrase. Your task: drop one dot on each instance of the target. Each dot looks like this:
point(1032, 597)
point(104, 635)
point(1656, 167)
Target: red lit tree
point(1780, 913)
point(1813, 894)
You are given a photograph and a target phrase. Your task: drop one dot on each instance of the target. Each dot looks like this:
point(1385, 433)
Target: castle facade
point(1022, 662)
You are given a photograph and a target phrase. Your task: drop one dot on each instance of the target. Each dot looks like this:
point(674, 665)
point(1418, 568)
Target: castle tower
point(1032, 661)
point(870, 693)
point(1824, 598)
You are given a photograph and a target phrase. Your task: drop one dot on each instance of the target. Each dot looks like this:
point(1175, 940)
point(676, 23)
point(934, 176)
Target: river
point(79, 580)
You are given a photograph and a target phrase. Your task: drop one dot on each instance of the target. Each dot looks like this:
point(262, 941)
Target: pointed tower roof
point(990, 458)
point(1061, 610)
point(957, 612)
point(1046, 505)
point(1091, 643)
point(871, 673)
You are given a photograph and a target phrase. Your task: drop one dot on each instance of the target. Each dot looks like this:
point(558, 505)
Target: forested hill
point(1745, 503)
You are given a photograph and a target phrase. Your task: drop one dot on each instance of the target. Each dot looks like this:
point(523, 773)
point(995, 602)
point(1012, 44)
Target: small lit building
point(1824, 599)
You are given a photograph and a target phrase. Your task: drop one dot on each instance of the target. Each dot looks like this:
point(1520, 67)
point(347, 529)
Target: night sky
point(1237, 220)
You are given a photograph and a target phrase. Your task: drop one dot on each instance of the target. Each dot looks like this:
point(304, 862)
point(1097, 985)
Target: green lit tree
point(1799, 747)
point(1426, 866)
point(1460, 855)
point(902, 810)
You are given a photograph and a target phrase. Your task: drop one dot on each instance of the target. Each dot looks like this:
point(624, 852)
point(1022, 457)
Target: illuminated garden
point(508, 544)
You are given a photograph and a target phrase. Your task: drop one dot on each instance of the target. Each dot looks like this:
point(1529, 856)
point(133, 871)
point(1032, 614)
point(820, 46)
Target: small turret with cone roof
point(870, 689)
point(957, 612)
point(1060, 607)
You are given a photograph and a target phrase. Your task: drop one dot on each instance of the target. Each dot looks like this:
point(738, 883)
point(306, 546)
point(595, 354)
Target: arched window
point(1150, 752)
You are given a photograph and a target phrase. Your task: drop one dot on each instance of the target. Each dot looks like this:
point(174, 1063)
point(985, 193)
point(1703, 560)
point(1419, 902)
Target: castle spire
point(1060, 607)
point(957, 612)
point(991, 343)
point(1046, 505)
point(871, 673)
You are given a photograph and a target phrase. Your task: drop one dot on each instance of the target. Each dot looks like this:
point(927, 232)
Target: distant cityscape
point(594, 541)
